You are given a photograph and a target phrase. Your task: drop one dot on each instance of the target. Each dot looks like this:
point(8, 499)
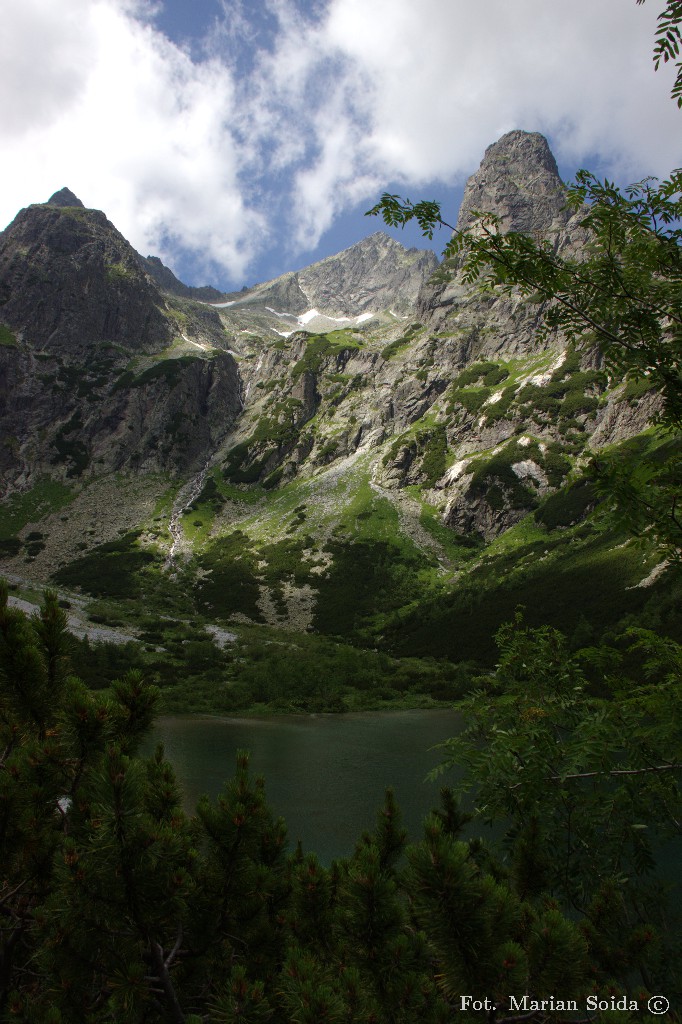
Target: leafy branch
point(668, 42)
point(621, 293)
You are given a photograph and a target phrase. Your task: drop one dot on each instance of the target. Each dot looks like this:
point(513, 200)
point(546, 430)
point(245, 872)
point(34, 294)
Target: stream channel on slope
point(184, 498)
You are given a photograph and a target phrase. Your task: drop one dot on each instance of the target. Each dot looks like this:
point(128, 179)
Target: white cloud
point(281, 131)
point(435, 83)
point(126, 120)
point(44, 63)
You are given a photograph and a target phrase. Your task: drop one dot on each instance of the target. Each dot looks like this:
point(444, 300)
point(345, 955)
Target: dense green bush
point(168, 370)
point(553, 578)
point(474, 386)
point(555, 464)
point(320, 347)
point(367, 578)
point(471, 400)
point(567, 506)
point(71, 449)
point(231, 583)
point(434, 460)
point(490, 374)
point(576, 403)
point(7, 337)
point(115, 569)
point(495, 480)
point(635, 388)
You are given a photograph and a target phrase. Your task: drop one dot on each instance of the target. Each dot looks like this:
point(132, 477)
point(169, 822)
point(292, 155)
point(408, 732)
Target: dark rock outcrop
point(69, 280)
point(100, 372)
point(168, 282)
point(65, 197)
point(519, 182)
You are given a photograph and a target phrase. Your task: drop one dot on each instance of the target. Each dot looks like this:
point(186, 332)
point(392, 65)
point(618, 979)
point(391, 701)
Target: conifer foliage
point(115, 906)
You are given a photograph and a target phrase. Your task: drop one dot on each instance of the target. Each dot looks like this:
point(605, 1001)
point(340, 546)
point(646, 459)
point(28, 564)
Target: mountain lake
point(326, 775)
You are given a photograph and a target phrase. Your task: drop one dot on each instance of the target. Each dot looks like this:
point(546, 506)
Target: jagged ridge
point(366, 460)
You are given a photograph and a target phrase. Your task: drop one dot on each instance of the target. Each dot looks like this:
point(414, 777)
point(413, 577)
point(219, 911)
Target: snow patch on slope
point(313, 314)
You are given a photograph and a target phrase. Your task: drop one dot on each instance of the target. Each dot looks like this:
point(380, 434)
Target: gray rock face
point(168, 418)
point(622, 419)
point(519, 182)
point(370, 276)
point(102, 371)
point(64, 420)
point(91, 382)
point(466, 514)
point(69, 279)
point(168, 282)
point(283, 294)
point(375, 274)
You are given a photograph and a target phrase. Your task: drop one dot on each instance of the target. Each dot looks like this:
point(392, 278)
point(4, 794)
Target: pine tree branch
point(608, 774)
point(618, 771)
point(4, 897)
point(176, 1014)
point(174, 951)
point(6, 752)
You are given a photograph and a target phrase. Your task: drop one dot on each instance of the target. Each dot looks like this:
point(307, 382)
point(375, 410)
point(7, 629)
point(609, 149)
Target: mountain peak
point(373, 274)
point(72, 280)
point(519, 182)
point(522, 147)
point(64, 197)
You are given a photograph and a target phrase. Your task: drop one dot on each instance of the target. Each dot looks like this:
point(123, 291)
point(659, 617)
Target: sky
point(238, 140)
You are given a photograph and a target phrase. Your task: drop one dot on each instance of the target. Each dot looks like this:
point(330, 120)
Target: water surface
point(325, 774)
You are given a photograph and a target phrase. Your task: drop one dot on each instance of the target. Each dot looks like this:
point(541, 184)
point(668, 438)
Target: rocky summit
point(363, 448)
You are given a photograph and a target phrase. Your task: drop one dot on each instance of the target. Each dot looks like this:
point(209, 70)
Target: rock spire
point(518, 180)
point(64, 197)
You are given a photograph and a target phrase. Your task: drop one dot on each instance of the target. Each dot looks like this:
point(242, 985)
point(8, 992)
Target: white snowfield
point(314, 315)
point(276, 312)
point(311, 314)
point(305, 318)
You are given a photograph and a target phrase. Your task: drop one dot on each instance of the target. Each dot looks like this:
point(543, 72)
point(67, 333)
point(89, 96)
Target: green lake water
point(326, 775)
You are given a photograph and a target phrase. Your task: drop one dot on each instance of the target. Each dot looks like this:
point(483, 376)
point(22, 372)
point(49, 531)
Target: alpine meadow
point(382, 482)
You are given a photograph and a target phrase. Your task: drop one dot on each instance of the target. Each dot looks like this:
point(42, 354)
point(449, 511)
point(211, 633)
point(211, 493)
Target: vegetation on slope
point(119, 906)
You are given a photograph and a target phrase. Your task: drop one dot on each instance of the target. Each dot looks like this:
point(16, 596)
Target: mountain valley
point(356, 472)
